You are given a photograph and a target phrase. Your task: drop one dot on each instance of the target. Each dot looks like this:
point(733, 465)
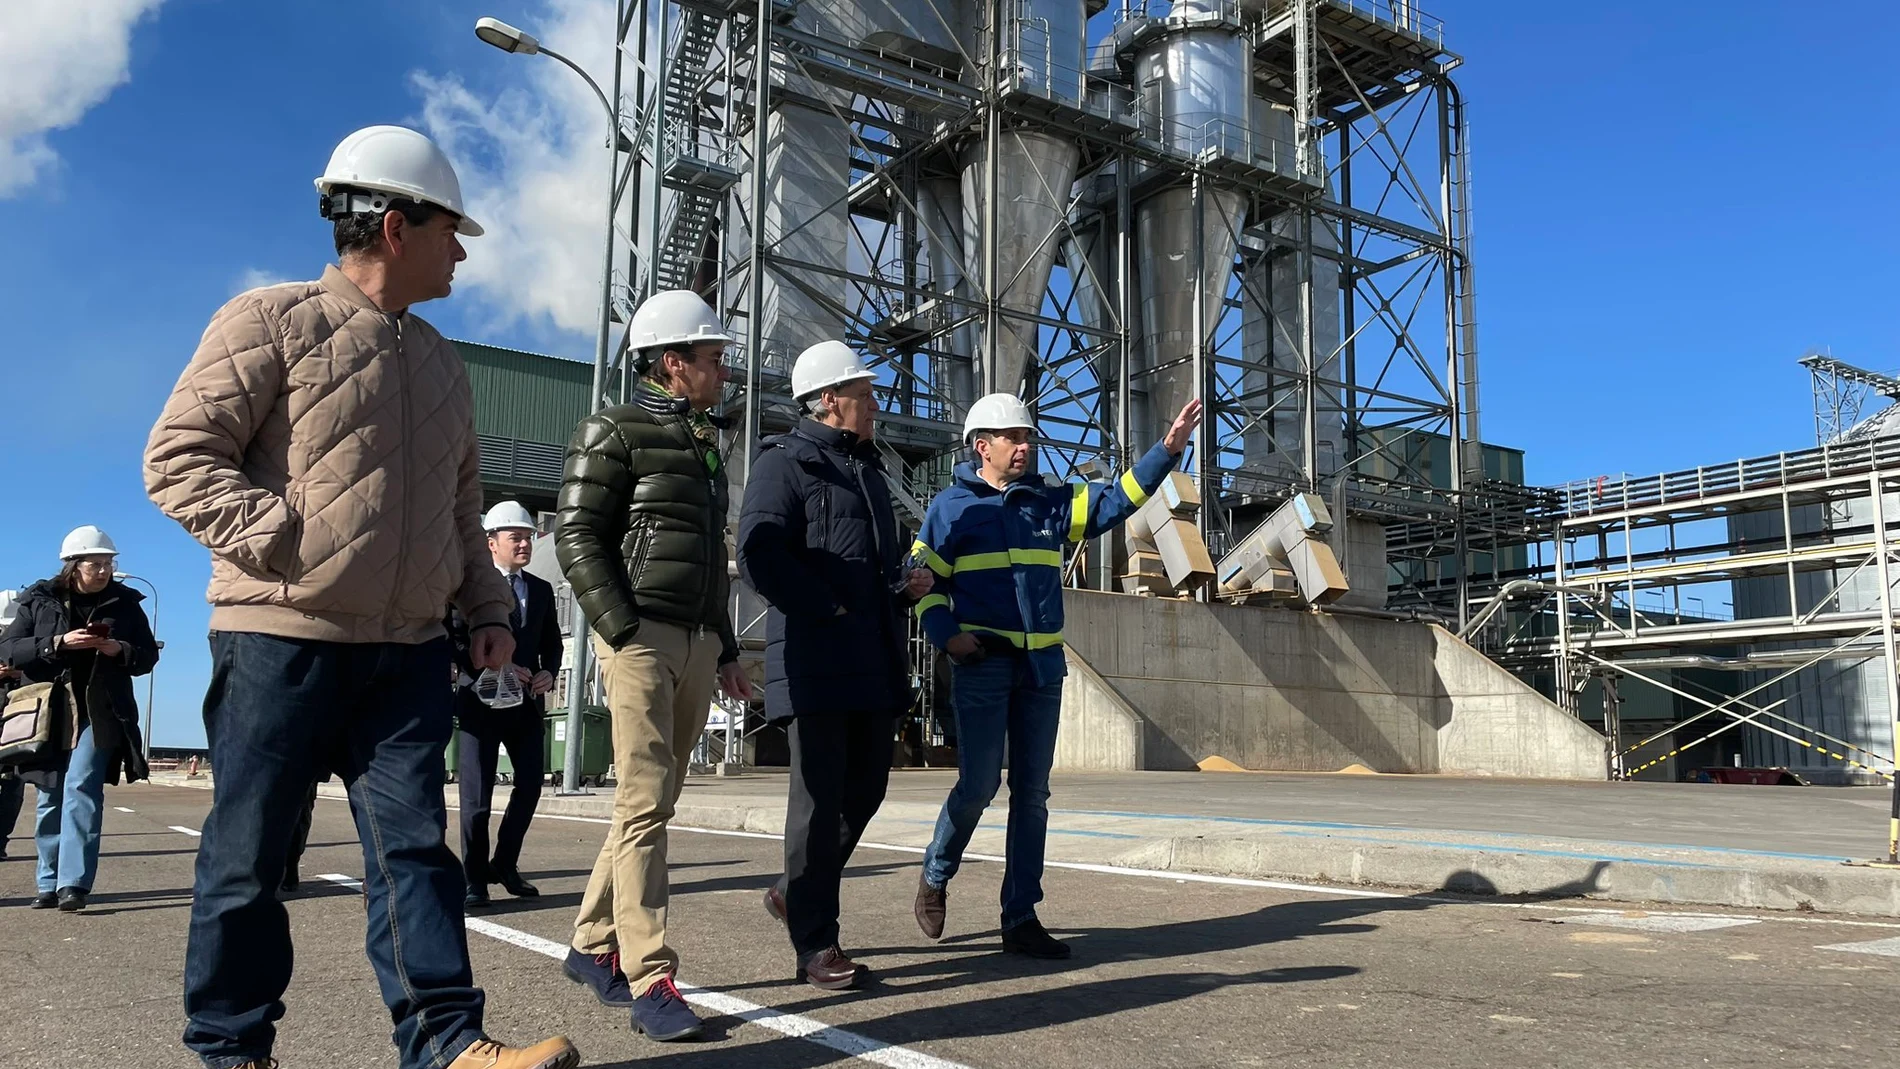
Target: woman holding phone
point(87, 629)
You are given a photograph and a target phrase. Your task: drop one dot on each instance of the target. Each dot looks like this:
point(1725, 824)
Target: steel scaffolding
point(1333, 311)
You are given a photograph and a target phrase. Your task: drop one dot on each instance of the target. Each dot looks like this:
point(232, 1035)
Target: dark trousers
point(300, 835)
point(484, 732)
point(378, 715)
point(841, 763)
point(12, 794)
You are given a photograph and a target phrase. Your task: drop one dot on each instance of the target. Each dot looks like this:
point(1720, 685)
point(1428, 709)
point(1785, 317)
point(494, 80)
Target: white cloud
point(255, 278)
point(58, 59)
point(532, 159)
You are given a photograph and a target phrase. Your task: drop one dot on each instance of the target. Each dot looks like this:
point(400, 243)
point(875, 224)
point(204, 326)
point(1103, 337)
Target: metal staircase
point(900, 483)
point(694, 148)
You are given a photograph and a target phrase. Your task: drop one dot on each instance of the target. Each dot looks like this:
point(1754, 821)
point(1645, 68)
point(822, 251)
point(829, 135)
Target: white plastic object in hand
point(499, 688)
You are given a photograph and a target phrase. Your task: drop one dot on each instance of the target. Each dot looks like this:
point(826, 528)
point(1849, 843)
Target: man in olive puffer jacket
point(641, 537)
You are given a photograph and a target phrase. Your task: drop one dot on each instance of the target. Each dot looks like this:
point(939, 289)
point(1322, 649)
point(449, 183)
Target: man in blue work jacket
point(995, 540)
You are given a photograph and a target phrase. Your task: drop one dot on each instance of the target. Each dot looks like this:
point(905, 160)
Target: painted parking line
point(1668, 923)
point(1886, 948)
point(194, 833)
point(850, 1044)
point(123, 809)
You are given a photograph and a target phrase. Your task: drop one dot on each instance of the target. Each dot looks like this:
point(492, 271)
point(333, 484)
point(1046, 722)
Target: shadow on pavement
point(975, 958)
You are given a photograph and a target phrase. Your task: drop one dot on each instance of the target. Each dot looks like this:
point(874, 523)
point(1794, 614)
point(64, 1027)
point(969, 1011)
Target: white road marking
point(1235, 881)
point(187, 831)
point(1886, 948)
point(1073, 866)
point(1674, 923)
point(122, 809)
point(850, 1044)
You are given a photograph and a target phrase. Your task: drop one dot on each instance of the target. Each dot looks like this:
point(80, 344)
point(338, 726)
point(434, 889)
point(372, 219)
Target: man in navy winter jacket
point(995, 539)
point(819, 542)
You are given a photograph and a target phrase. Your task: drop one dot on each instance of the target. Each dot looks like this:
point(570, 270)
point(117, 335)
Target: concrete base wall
point(1500, 727)
point(1163, 684)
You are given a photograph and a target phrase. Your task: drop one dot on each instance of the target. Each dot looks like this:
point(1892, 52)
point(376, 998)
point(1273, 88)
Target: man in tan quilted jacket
point(321, 445)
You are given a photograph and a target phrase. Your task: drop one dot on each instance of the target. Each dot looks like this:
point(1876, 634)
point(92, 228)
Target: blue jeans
point(69, 816)
point(379, 716)
point(997, 704)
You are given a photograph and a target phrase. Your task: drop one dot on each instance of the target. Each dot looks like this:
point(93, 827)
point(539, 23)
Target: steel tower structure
point(1264, 204)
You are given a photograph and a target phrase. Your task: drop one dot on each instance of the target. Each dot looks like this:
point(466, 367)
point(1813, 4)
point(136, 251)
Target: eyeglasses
point(107, 564)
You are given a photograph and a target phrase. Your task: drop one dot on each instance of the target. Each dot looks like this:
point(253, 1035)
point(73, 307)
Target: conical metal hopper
point(1034, 172)
point(1168, 265)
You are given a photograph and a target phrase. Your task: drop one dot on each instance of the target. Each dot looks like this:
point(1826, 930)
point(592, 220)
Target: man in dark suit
point(485, 727)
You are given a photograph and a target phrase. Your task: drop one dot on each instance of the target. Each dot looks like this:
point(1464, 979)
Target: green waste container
point(597, 750)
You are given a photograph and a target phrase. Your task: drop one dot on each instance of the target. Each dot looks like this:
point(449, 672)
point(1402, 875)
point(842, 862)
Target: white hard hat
point(87, 541)
point(829, 363)
point(674, 317)
point(9, 606)
point(392, 160)
point(506, 515)
point(997, 412)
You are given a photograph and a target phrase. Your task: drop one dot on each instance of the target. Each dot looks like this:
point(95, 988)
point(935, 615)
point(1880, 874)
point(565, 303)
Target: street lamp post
point(151, 678)
point(509, 39)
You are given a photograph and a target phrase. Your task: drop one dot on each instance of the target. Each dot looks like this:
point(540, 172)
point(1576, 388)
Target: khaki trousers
point(659, 691)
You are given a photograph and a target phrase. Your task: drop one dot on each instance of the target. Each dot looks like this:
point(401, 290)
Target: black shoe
point(600, 972)
point(512, 883)
point(45, 900)
point(476, 897)
point(662, 1013)
point(71, 899)
point(1031, 939)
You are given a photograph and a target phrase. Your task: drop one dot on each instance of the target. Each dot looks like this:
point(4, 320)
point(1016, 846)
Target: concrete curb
point(1562, 868)
point(1764, 883)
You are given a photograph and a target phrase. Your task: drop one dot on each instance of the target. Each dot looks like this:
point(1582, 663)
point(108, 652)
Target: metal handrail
point(1583, 497)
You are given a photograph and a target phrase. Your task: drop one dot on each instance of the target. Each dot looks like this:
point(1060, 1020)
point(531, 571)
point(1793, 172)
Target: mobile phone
point(98, 629)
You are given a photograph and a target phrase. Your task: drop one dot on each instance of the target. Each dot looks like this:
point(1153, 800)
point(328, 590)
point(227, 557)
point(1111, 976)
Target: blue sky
point(1671, 207)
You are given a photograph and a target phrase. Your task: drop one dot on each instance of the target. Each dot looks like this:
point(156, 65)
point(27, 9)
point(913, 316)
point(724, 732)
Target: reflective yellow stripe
point(1136, 495)
point(978, 562)
point(929, 602)
point(1079, 512)
point(937, 564)
point(1032, 641)
point(1051, 558)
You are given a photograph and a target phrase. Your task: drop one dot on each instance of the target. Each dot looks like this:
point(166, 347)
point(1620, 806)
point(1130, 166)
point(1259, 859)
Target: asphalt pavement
point(1171, 969)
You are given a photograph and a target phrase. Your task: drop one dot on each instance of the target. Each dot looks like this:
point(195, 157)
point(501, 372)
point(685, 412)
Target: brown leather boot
point(555, 1053)
point(930, 908)
point(775, 904)
point(830, 970)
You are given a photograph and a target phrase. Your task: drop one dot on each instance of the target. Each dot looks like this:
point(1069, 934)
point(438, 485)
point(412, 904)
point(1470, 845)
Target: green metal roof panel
point(525, 396)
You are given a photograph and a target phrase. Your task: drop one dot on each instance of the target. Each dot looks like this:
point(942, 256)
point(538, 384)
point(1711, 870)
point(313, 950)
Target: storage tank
point(1193, 81)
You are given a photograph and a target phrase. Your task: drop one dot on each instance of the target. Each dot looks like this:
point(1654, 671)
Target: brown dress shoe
point(930, 908)
point(831, 971)
point(555, 1053)
point(775, 903)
